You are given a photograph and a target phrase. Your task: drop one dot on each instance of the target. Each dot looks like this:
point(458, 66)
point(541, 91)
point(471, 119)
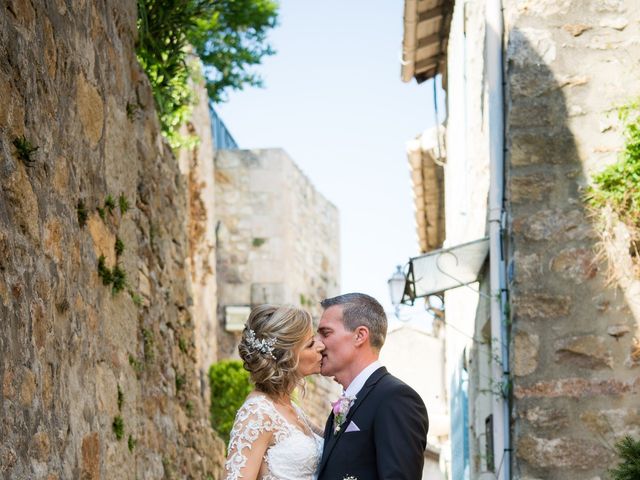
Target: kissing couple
point(377, 428)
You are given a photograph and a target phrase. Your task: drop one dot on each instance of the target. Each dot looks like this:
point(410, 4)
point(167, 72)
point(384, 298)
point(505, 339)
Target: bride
point(271, 438)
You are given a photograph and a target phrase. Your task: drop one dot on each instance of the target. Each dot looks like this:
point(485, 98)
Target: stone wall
point(278, 242)
point(196, 166)
point(569, 64)
point(75, 357)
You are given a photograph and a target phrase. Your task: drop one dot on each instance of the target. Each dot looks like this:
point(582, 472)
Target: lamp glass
point(396, 286)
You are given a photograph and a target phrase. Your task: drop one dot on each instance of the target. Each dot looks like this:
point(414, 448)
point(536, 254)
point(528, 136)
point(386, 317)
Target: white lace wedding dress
point(293, 455)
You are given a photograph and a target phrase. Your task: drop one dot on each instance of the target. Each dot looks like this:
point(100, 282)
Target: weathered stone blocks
point(90, 107)
point(554, 225)
point(562, 453)
point(577, 264)
point(541, 306)
point(528, 147)
point(576, 387)
point(546, 418)
point(587, 351)
point(525, 353)
point(530, 187)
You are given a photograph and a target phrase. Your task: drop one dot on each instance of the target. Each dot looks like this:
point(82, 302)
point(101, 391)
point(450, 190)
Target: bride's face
point(310, 355)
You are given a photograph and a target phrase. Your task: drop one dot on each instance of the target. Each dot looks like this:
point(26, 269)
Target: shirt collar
point(356, 385)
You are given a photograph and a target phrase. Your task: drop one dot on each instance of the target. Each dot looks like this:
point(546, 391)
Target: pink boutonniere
point(340, 410)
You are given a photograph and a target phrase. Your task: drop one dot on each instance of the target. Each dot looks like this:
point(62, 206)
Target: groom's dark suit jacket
point(393, 427)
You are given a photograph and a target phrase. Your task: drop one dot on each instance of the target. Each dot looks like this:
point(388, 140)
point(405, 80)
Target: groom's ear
point(362, 335)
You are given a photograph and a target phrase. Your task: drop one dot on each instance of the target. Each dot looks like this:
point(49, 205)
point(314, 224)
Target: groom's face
point(338, 341)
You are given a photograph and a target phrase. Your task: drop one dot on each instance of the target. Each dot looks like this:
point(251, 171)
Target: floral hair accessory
point(262, 345)
point(340, 410)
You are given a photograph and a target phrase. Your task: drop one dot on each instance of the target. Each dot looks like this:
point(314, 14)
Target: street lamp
point(396, 289)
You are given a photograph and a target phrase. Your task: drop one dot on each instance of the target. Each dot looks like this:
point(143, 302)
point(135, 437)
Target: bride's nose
point(320, 345)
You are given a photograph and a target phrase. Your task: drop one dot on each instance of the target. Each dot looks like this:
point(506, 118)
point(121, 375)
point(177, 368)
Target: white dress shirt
point(356, 385)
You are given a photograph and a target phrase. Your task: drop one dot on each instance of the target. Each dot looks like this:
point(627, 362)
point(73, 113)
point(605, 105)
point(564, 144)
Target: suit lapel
point(331, 441)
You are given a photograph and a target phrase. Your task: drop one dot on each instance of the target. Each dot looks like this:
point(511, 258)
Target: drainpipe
point(499, 347)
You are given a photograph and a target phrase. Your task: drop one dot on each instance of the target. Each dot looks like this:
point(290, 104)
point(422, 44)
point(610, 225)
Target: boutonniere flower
point(340, 410)
point(350, 477)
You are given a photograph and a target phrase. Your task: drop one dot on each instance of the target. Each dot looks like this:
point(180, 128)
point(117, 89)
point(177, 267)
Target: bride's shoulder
point(257, 401)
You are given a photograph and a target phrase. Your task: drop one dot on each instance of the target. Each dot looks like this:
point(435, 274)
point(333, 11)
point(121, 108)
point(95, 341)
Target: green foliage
point(120, 398)
point(147, 342)
point(136, 364)
point(24, 150)
point(189, 407)
point(136, 298)
point(103, 271)
point(618, 185)
point(230, 39)
point(629, 468)
point(119, 246)
point(228, 35)
point(123, 203)
point(109, 203)
point(181, 380)
point(182, 345)
point(101, 212)
point(118, 427)
point(83, 215)
point(230, 385)
point(119, 279)
point(258, 241)
point(131, 443)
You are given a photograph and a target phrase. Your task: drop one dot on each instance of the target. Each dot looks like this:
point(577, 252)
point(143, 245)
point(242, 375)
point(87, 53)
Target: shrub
point(618, 185)
point(629, 468)
point(230, 385)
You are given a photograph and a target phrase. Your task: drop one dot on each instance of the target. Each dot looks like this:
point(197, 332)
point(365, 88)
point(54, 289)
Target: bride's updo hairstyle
point(267, 348)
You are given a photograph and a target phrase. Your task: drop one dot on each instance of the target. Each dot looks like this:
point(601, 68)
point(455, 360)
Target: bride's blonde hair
point(270, 341)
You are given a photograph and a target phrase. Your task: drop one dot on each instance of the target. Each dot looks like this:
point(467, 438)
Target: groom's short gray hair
point(361, 309)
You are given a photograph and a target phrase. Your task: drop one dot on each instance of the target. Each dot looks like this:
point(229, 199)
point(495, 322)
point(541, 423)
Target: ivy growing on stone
point(136, 364)
point(119, 246)
point(83, 215)
point(104, 272)
point(115, 277)
point(109, 203)
point(181, 380)
point(120, 398)
point(24, 150)
point(123, 203)
point(135, 298)
point(147, 342)
point(118, 427)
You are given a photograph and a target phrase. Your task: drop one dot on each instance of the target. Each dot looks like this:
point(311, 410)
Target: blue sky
point(334, 100)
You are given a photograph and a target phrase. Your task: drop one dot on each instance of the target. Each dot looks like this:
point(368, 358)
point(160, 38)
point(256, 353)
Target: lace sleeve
point(251, 434)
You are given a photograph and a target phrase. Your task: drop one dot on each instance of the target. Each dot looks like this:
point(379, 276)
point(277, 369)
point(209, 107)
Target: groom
point(378, 428)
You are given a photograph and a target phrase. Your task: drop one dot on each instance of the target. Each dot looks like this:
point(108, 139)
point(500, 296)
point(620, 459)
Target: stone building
point(277, 242)
point(542, 336)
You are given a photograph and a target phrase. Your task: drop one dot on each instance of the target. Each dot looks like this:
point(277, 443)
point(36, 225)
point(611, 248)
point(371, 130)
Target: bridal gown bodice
point(292, 455)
